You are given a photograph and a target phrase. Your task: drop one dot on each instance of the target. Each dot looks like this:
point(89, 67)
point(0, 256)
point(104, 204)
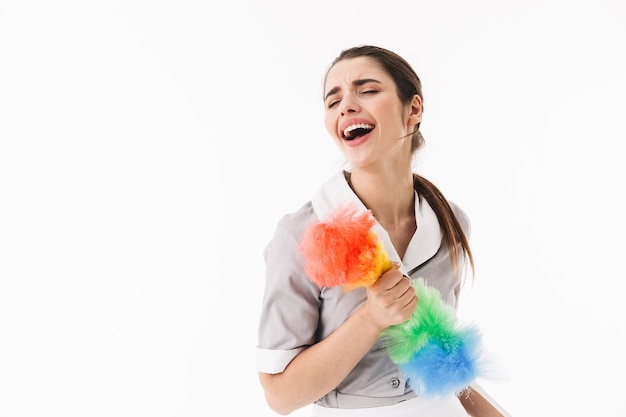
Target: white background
point(147, 149)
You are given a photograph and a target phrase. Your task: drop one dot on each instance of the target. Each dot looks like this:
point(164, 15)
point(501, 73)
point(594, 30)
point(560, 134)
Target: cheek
point(330, 123)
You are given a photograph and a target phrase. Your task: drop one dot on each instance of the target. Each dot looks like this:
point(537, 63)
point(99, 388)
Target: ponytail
point(453, 234)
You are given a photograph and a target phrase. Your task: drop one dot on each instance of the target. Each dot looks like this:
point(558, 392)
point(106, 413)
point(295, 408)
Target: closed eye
point(332, 103)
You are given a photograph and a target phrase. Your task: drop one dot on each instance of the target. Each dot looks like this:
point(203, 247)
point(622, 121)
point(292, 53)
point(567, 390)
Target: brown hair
point(407, 85)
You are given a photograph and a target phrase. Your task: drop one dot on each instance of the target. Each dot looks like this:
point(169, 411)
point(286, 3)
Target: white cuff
point(272, 361)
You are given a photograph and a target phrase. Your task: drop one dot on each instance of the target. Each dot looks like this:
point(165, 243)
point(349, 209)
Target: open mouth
point(357, 130)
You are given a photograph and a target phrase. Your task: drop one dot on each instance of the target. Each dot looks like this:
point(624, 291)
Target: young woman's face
point(365, 116)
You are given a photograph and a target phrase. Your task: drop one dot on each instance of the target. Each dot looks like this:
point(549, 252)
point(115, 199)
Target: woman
point(321, 346)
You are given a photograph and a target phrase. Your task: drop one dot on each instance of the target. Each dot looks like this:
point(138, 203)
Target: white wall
point(147, 149)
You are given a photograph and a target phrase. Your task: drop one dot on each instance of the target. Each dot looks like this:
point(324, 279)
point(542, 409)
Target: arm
point(478, 403)
point(320, 368)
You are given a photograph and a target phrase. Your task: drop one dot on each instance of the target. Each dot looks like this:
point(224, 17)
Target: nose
point(348, 105)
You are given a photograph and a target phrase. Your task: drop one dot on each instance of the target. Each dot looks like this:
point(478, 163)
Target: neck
point(389, 195)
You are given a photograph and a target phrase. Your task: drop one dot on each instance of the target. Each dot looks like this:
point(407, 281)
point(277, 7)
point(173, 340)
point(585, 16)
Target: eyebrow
point(356, 83)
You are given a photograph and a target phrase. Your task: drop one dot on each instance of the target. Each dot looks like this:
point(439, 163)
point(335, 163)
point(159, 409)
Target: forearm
point(320, 368)
point(477, 404)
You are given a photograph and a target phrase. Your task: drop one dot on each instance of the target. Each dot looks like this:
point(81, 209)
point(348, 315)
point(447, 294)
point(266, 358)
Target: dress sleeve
point(290, 307)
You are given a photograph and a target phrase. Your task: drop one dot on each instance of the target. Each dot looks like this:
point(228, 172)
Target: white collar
point(423, 245)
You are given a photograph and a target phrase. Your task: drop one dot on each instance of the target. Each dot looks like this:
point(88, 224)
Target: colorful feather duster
point(436, 354)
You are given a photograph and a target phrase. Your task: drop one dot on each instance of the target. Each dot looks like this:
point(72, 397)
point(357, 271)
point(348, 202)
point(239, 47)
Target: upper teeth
point(350, 128)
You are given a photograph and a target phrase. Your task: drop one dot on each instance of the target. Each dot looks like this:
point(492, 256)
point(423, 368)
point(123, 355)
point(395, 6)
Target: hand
point(391, 299)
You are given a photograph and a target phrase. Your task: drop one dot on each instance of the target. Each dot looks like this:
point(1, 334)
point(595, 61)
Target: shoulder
point(296, 222)
point(461, 216)
point(289, 231)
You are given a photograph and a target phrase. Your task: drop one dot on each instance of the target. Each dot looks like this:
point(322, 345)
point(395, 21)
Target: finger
point(412, 304)
point(394, 277)
point(404, 284)
point(404, 307)
point(408, 300)
point(388, 280)
point(407, 291)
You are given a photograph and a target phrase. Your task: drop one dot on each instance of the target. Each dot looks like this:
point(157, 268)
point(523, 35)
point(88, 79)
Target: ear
point(415, 112)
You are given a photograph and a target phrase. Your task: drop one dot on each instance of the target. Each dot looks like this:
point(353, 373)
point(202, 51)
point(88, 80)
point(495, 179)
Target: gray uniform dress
point(296, 313)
